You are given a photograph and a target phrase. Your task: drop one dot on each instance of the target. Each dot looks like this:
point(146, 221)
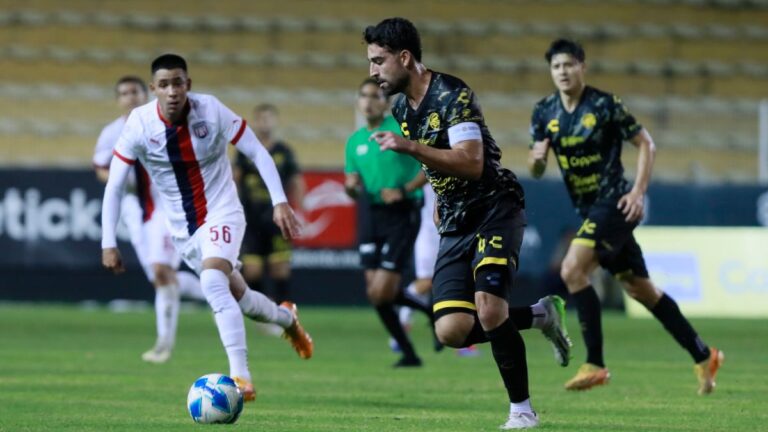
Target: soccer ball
point(214, 398)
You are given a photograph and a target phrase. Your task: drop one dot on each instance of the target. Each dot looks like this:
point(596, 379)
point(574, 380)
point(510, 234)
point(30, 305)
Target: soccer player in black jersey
point(585, 128)
point(264, 248)
point(479, 207)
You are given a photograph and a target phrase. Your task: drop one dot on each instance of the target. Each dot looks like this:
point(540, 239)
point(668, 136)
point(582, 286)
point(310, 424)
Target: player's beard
point(395, 86)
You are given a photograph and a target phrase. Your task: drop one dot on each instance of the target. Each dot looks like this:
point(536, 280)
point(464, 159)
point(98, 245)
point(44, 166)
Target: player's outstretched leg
point(707, 360)
point(259, 307)
point(229, 321)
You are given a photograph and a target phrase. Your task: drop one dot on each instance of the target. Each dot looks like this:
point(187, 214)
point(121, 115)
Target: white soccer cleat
point(521, 421)
point(158, 354)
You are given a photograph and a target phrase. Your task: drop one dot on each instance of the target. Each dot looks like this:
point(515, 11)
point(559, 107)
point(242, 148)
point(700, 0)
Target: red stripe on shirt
point(123, 158)
point(145, 193)
point(194, 174)
point(239, 133)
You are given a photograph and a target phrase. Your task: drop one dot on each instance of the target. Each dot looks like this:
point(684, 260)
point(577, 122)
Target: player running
point(146, 225)
point(264, 248)
point(585, 128)
point(480, 208)
point(181, 139)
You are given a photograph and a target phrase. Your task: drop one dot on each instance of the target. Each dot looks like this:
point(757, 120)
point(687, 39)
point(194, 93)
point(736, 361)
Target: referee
point(389, 185)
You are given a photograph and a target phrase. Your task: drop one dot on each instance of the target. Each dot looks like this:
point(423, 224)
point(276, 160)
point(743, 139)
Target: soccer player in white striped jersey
point(181, 139)
point(146, 225)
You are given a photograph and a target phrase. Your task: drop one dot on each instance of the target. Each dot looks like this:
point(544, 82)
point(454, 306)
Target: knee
point(452, 332)
point(379, 296)
point(574, 276)
point(491, 317)
point(252, 272)
point(164, 275)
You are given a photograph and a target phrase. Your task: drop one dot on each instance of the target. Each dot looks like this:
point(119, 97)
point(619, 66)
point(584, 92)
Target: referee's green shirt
point(380, 170)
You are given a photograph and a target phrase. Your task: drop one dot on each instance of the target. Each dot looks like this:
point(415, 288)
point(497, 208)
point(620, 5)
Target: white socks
point(521, 407)
point(166, 314)
point(259, 307)
point(189, 286)
point(540, 316)
point(229, 320)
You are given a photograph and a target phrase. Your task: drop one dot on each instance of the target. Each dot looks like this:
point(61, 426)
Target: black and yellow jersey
point(450, 102)
point(587, 144)
point(253, 191)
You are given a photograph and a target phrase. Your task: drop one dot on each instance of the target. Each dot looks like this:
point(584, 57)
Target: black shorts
point(263, 239)
point(495, 241)
point(388, 234)
point(606, 230)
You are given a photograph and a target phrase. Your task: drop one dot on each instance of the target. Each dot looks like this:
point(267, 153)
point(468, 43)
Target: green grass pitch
point(68, 369)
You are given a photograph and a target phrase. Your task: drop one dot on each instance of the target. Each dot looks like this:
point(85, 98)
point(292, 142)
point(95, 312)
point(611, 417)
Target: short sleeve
point(463, 108)
point(349, 158)
point(232, 125)
point(625, 122)
point(129, 145)
point(537, 130)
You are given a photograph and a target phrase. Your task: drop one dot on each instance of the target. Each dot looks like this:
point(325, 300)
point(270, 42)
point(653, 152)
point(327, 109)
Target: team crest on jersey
point(200, 130)
point(589, 120)
point(434, 121)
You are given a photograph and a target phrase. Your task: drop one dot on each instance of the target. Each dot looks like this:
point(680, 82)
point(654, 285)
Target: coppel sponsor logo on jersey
point(26, 216)
point(676, 273)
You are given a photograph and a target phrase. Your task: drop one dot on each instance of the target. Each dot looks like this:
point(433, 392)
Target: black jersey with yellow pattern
point(587, 144)
point(450, 102)
point(253, 192)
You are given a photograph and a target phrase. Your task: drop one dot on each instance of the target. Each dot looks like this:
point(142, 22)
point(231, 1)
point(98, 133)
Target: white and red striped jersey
point(138, 180)
point(187, 162)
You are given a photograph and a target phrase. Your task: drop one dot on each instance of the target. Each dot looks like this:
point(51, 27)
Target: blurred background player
point(480, 209)
point(585, 128)
point(389, 186)
point(182, 139)
point(146, 226)
point(264, 248)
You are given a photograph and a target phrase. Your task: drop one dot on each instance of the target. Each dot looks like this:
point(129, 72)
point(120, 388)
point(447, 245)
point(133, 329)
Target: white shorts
point(428, 240)
point(425, 250)
point(151, 240)
point(218, 237)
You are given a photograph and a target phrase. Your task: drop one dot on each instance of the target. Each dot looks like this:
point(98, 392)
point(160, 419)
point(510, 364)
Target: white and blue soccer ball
point(214, 398)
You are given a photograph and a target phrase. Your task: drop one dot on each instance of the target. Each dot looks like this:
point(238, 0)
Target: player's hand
point(390, 196)
point(392, 141)
point(632, 205)
point(352, 185)
point(286, 220)
point(540, 150)
point(112, 261)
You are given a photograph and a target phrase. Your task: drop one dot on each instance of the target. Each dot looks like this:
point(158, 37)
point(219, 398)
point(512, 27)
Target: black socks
point(667, 312)
point(588, 307)
point(392, 323)
point(509, 352)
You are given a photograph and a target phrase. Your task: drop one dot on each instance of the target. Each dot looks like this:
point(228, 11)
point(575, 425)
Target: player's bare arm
point(632, 204)
point(463, 160)
point(296, 191)
point(112, 260)
point(537, 158)
point(391, 195)
point(285, 219)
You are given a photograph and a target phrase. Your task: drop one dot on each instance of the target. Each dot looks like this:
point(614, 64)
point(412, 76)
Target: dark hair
point(264, 107)
point(368, 81)
point(131, 79)
point(169, 61)
point(395, 34)
point(565, 46)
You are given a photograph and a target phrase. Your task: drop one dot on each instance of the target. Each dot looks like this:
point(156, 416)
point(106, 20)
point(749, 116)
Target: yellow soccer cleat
point(246, 388)
point(300, 339)
point(588, 376)
point(707, 370)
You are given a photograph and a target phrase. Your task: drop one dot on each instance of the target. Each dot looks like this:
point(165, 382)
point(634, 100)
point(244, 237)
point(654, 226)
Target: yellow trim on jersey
point(453, 304)
point(252, 259)
point(584, 242)
point(281, 256)
point(487, 261)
